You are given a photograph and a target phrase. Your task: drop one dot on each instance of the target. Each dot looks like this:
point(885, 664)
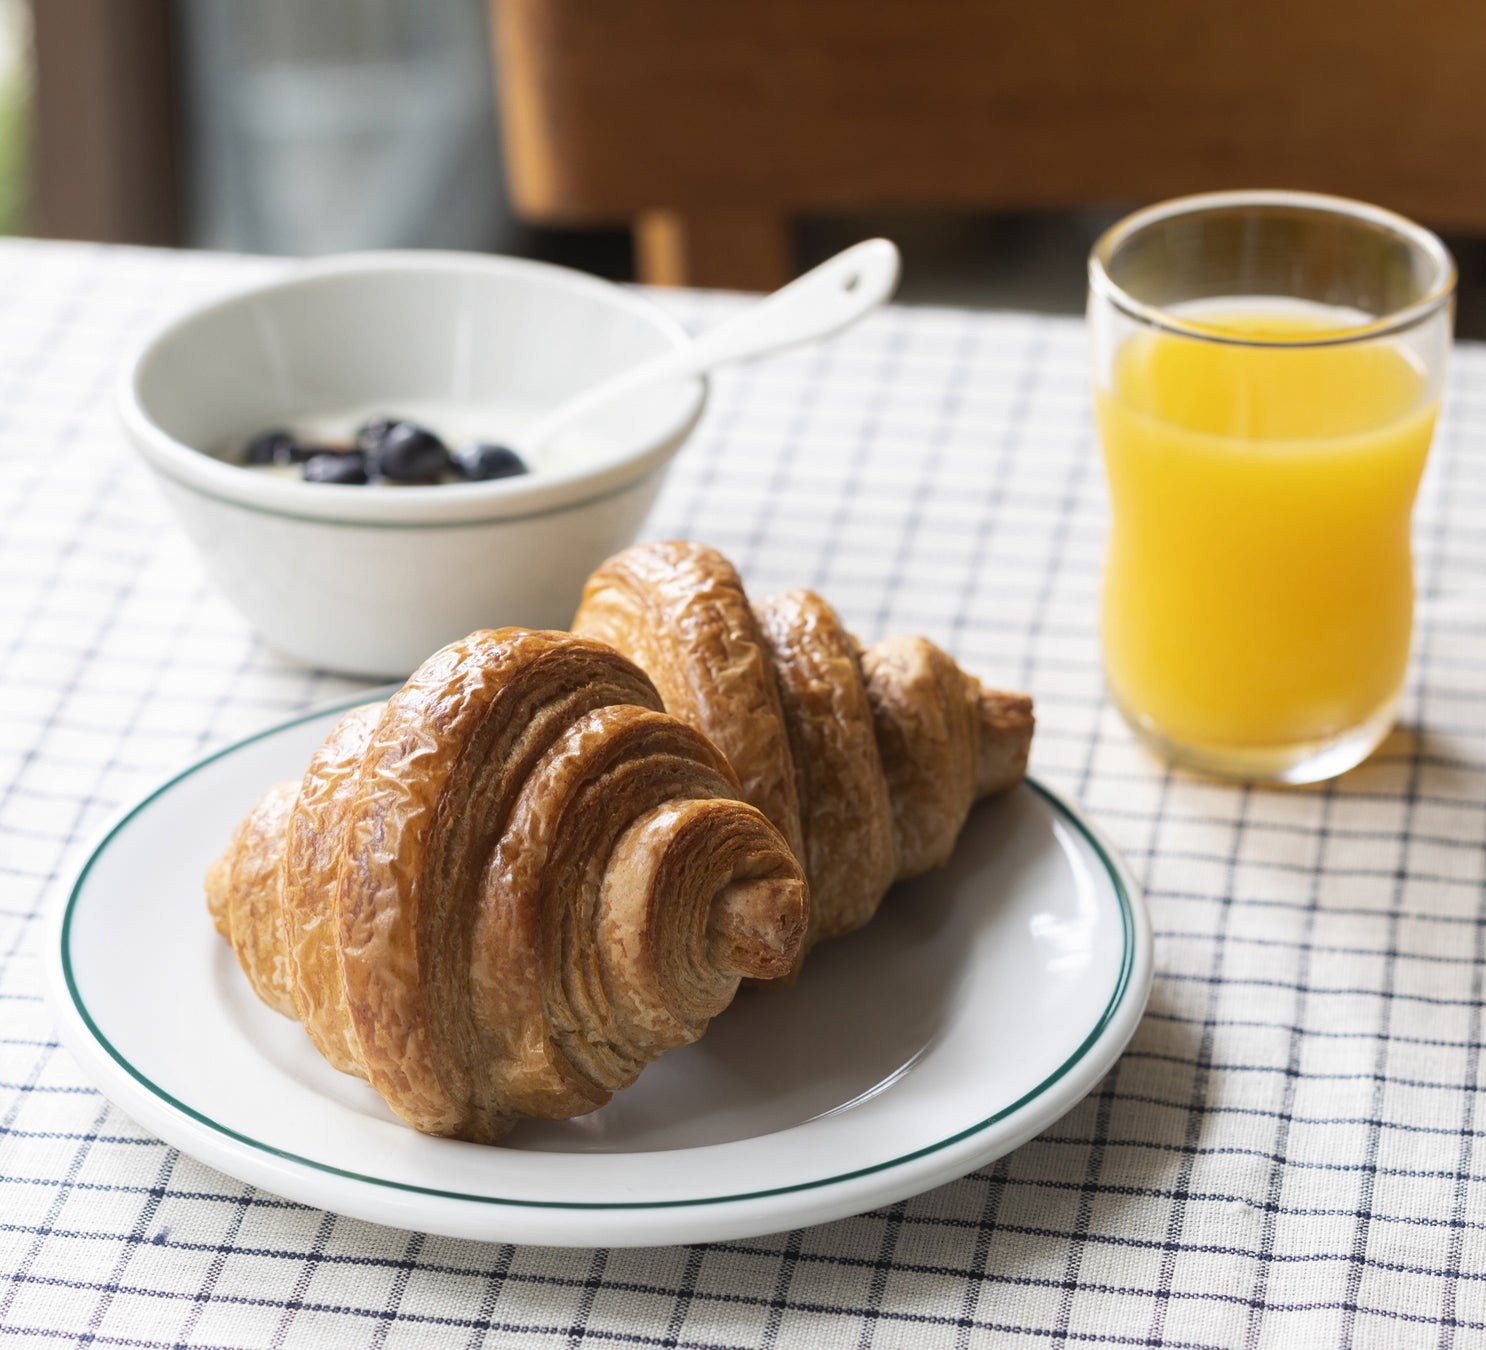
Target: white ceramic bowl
point(370, 580)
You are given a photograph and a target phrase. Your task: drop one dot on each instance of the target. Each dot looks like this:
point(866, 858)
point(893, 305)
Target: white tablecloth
point(1288, 1154)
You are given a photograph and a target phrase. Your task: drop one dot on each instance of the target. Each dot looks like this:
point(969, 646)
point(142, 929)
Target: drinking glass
point(1267, 371)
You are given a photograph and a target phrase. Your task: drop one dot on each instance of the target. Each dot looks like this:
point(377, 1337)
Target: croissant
point(508, 888)
point(867, 761)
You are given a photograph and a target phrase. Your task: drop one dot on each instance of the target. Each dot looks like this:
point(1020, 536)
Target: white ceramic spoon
point(822, 301)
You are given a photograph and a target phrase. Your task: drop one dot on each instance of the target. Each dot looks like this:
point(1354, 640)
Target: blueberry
point(279, 447)
point(370, 434)
point(479, 460)
point(409, 454)
point(330, 467)
point(270, 447)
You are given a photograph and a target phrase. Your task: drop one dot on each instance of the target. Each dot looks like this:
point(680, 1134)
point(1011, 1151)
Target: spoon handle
point(820, 302)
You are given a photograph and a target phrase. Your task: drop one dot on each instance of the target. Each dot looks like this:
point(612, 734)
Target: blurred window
point(339, 124)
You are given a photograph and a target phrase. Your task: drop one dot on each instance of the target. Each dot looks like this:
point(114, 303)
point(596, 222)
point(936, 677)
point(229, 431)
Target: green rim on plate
point(1122, 982)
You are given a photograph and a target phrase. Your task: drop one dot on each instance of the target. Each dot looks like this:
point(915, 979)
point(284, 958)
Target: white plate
point(979, 1006)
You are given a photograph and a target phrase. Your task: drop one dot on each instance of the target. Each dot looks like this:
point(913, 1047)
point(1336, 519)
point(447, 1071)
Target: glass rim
point(1438, 294)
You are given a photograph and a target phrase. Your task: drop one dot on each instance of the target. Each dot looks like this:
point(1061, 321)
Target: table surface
point(1288, 1154)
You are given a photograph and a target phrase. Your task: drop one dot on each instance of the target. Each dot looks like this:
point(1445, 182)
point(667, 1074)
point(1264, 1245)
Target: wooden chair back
point(710, 125)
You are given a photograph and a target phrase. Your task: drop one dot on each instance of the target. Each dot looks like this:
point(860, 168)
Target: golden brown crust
point(846, 817)
point(1004, 739)
point(314, 853)
point(946, 741)
point(510, 887)
point(242, 897)
point(926, 723)
point(678, 611)
point(438, 780)
point(888, 748)
point(660, 990)
point(520, 802)
point(564, 822)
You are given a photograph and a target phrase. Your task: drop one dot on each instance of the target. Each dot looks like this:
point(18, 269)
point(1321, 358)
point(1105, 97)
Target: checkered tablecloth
point(1290, 1152)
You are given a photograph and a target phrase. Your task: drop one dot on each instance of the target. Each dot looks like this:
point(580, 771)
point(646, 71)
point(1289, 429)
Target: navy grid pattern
point(1290, 1153)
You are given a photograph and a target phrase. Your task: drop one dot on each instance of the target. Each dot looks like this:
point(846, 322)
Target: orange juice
point(1259, 585)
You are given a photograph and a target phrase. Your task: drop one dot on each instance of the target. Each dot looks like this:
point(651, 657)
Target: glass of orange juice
point(1267, 371)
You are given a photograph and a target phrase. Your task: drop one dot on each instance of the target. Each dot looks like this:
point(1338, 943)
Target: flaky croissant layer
point(510, 887)
point(867, 761)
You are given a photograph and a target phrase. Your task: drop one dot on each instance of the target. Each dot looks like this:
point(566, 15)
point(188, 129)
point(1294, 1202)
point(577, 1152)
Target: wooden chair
point(710, 125)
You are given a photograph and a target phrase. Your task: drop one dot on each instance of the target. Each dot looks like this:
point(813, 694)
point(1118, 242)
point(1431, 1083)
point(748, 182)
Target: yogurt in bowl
point(370, 582)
